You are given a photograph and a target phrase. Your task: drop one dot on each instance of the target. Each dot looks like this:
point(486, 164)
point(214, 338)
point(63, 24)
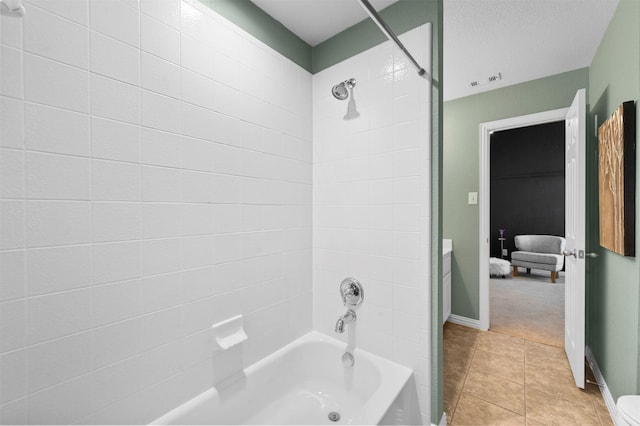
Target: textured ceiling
point(521, 39)
point(314, 21)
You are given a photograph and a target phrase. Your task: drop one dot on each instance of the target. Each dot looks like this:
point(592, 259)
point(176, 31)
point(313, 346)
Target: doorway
point(486, 131)
point(527, 191)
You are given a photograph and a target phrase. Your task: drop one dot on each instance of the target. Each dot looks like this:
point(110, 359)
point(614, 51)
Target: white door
point(574, 309)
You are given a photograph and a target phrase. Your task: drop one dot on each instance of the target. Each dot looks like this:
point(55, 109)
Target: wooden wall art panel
point(616, 180)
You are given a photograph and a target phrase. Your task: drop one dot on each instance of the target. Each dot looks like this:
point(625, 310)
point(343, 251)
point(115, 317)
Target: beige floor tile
point(531, 422)
point(558, 383)
point(497, 365)
point(501, 344)
point(538, 354)
point(605, 418)
point(496, 390)
point(550, 409)
point(475, 411)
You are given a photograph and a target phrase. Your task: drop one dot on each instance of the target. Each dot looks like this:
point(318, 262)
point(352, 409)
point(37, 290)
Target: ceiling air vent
point(491, 79)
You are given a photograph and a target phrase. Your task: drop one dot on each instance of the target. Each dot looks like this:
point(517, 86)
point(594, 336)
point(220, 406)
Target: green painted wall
point(401, 17)
point(462, 118)
point(614, 281)
point(261, 25)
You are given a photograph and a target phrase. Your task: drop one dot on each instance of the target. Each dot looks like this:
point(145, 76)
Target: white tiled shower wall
point(371, 214)
point(155, 177)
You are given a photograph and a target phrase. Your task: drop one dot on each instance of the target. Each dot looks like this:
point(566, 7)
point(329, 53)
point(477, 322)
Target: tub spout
point(345, 319)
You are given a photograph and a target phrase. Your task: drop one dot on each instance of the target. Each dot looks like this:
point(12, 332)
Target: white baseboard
point(604, 389)
point(467, 322)
point(443, 420)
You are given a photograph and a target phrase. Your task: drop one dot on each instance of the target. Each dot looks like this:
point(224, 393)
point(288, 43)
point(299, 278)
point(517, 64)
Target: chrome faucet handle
point(351, 292)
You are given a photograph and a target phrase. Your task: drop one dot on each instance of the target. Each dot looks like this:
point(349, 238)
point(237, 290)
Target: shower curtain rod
point(389, 33)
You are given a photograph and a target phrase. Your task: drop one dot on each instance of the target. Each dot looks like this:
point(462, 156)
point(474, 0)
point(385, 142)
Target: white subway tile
point(160, 112)
point(58, 315)
point(12, 275)
point(58, 222)
point(197, 219)
point(406, 163)
point(58, 360)
point(159, 39)
point(197, 252)
point(166, 11)
point(116, 381)
point(161, 363)
point(13, 325)
point(160, 148)
point(197, 89)
point(115, 342)
point(114, 59)
point(197, 283)
point(197, 56)
point(14, 413)
point(117, 20)
point(124, 412)
point(115, 181)
point(65, 86)
point(53, 176)
point(13, 376)
point(160, 292)
point(56, 269)
point(197, 187)
point(161, 220)
point(160, 184)
point(197, 154)
point(160, 76)
point(79, 13)
point(12, 173)
point(114, 99)
point(56, 130)
point(160, 256)
point(12, 232)
point(56, 38)
point(196, 348)
point(11, 72)
point(116, 221)
point(161, 327)
point(12, 119)
point(116, 262)
point(11, 31)
point(114, 140)
point(65, 403)
point(116, 302)
point(200, 315)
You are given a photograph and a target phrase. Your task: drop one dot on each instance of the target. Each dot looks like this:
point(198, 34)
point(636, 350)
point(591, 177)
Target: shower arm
point(373, 14)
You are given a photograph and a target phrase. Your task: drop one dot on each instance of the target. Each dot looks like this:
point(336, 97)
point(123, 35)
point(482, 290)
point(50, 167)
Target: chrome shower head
point(340, 91)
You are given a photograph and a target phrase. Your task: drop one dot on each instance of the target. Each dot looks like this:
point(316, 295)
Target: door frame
point(484, 197)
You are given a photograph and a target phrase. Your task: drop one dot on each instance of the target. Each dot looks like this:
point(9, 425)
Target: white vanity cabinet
point(447, 248)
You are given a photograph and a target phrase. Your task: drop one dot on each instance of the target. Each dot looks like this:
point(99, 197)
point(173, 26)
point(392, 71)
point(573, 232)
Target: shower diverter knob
point(351, 292)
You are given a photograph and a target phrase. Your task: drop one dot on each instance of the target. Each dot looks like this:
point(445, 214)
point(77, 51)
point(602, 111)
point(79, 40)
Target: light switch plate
point(473, 198)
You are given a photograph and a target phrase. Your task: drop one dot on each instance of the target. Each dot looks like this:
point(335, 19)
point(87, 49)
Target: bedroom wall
point(461, 167)
point(527, 183)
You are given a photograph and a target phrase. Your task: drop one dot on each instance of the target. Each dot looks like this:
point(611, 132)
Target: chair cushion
point(542, 258)
point(540, 243)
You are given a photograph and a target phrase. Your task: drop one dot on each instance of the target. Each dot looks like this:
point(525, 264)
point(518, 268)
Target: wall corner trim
point(467, 322)
point(604, 389)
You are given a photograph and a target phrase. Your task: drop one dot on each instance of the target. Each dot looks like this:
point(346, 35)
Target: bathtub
point(303, 383)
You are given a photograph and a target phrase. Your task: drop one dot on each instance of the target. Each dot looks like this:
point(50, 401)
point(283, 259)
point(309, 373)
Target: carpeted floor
point(529, 306)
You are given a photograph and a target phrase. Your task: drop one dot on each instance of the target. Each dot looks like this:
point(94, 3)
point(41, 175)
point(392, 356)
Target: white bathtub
point(302, 383)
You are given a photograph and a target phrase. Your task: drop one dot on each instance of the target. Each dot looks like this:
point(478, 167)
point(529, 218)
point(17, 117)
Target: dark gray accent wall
point(527, 183)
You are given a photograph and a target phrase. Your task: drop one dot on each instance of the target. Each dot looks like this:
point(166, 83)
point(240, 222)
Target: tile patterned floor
point(495, 379)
